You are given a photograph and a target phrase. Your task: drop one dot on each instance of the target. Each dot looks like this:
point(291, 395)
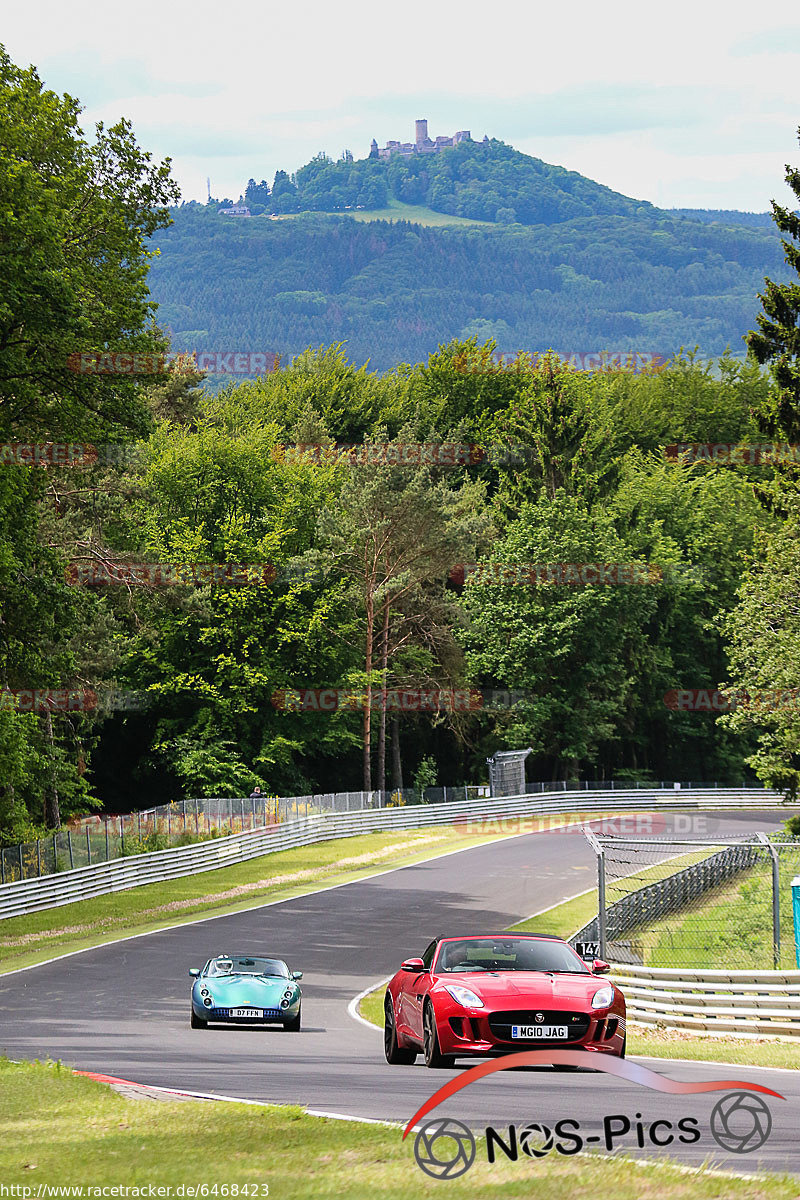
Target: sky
point(695, 104)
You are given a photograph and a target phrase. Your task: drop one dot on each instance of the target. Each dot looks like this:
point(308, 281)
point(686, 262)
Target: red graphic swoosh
point(582, 1058)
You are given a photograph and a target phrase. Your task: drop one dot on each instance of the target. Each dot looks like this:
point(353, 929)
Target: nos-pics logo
point(444, 1148)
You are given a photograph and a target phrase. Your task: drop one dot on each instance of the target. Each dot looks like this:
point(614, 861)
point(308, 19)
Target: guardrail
point(752, 1002)
point(33, 895)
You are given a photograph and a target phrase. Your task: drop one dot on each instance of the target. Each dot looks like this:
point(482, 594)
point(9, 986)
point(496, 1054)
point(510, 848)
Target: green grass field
point(62, 1130)
point(396, 210)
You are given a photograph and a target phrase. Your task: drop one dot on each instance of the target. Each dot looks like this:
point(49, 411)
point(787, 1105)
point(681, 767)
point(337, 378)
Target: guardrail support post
point(776, 900)
point(601, 890)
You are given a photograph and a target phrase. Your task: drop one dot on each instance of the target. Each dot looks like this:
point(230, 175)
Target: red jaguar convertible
point(489, 994)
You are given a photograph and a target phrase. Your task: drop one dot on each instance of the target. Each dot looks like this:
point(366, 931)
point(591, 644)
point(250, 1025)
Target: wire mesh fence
point(702, 904)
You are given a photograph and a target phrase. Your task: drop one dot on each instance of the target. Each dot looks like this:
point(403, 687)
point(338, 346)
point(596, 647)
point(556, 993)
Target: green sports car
point(246, 989)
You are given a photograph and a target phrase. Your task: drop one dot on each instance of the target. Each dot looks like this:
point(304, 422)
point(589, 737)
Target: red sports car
point(495, 993)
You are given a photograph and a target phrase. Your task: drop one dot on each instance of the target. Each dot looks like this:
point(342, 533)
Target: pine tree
point(778, 339)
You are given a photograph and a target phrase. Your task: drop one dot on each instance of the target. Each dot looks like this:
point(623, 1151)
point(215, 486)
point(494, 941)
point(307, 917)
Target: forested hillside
point(488, 181)
point(393, 292)
point(220, 562)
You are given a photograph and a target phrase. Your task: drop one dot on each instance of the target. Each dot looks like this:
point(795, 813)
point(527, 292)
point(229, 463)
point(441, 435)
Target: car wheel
point(396, 1054)
point(197, 1022)
point(293, 1026)
point(433, 1054)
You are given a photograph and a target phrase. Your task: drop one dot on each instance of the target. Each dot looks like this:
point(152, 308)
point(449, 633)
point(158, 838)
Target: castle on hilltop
point(421, 145)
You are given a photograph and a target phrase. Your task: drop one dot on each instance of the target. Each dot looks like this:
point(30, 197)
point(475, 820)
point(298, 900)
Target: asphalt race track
point(123, 1009)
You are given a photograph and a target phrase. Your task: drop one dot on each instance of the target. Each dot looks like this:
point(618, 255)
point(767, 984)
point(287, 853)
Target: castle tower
point(422, 132)
point(373, 150)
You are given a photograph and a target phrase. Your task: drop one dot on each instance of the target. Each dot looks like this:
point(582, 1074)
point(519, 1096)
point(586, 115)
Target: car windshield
point(242, 964)
point(509, 954)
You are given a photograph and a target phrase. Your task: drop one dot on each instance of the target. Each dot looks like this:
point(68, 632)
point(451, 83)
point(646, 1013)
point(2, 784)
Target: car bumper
point(486, 1034)
point(266, 1016)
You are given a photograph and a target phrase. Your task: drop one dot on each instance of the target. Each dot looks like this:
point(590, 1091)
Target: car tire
point(198, 1022)
point(293, 1026)
point(396, 1054)
point(431, 1048)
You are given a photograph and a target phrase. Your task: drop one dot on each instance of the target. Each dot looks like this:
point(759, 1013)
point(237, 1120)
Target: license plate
point(246, 1012)
point(538, 1031)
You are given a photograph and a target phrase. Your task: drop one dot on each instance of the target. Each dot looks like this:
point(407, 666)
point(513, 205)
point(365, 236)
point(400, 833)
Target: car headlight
point(287, 995)
point(464, 996)
point(205, 992)
point(208, 1002)
point(603, 997)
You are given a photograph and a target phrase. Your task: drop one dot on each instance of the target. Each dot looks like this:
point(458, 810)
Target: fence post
point(39, 857)
point(69, 847)
point(601, 890)
point(197, 818)
point(19, 856)
point(88, 848)
point(107, 854)
point(2, 866)
point(55, 853)
point(776, 900)
point(122, 836)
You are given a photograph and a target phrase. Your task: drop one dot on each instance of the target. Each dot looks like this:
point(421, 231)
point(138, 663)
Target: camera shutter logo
point(536, 1140)
point(740, 1122)
point(538, 1018)
point(444, 1149)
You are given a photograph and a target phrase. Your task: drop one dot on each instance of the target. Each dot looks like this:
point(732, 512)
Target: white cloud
point(693, 105)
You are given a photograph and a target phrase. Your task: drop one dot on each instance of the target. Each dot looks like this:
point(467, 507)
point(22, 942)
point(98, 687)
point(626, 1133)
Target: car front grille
point(500, 1023)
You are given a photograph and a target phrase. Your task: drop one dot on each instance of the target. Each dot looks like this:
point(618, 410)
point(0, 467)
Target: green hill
point(484, 181)
point(392, 291)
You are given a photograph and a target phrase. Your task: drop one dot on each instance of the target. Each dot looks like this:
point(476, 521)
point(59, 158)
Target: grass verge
point(37, 936)
point(24, 941)
point(63, 1130)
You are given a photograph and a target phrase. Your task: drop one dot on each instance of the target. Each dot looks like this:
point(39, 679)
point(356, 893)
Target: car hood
point(516, 988)
point(243, 989)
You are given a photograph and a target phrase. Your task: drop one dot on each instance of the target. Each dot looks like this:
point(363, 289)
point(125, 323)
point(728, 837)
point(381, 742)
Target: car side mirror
point(297, 974)
point(599, 967)
point(413, 964)
point(195, 971)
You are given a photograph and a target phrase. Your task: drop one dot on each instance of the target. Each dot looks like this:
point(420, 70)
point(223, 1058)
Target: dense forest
point(393, 291)
point(220, 557)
